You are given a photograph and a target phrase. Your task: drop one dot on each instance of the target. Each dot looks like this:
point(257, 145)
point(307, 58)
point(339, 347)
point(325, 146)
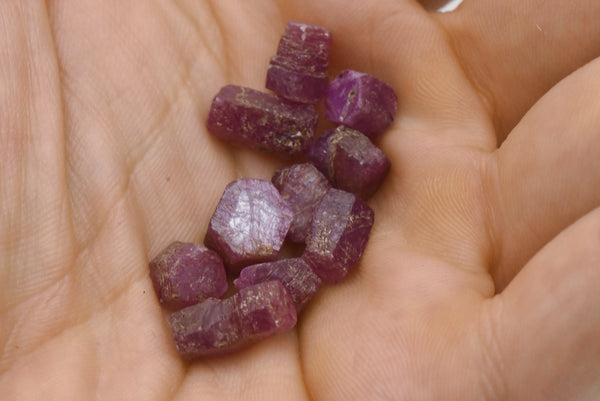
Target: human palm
point(105, 160)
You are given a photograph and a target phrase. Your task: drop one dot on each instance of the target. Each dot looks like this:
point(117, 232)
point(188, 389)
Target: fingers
point(547, 173)
point(543, 331)
point(400, 43)
point(514, 51)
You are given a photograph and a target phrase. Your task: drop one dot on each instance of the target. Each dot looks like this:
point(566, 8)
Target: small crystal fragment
point(299, 70)
point(350, 161)
point(262, 121)
point(218, 326)
point(295, 274)
point(362, 102)
point(250, 223)
point(184, 274)
point(338, 235)
point(302, 186)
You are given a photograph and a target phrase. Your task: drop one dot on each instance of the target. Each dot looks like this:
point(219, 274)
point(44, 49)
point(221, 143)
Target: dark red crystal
point(299, 70)
point(338, 235)
point(295, 274)
point(350, 161)
point(362, 102)
point(262, 121)
point(184, 274)
point(218, 326)
point(302, 186)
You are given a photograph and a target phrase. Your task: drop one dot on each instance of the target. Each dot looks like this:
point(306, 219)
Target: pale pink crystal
point(250, 223)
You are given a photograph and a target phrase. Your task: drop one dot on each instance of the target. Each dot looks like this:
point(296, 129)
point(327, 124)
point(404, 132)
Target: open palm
point(476, 284)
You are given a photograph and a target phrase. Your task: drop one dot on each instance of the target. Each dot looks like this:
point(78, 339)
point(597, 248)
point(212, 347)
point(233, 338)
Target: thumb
point(544, 328)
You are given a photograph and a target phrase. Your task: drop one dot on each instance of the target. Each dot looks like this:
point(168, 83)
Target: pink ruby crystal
point(262, 121)
point(299, 70)
point(302, 186)
point(218, 326)
point(295, 274)
point(250, 223)
point(362, 102)
point(350, 161)
point(338, 235)
point(184, 274)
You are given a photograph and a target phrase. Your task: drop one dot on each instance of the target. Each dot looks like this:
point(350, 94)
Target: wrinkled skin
point(481, 278)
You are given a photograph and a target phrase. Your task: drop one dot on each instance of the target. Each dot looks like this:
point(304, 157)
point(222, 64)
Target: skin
point(481, 277)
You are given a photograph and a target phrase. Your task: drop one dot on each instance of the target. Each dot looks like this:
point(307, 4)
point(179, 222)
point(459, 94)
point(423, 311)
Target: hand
point(480, 279)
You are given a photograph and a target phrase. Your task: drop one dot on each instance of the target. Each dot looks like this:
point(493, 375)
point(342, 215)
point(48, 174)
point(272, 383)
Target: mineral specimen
point(302, 186)
point(350, 161)
point(262, 121)
point(218, 326)
point(338, 235)
point(295, 274)
point(184, 274)
point(298, 72)
point(250, 223)
point(362, 102)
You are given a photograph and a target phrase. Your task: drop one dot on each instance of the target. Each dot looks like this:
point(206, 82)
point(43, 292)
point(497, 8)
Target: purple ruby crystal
point(218, 326)
point(249, 224)
point(302, 186)
point(338, 235)
point(299, 70)
point(362, 102)
point(295, 274)
point(350, 161)
point(184, 274)
point(262, 121)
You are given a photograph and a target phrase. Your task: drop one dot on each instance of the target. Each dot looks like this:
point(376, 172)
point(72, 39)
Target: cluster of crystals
point(321, 203)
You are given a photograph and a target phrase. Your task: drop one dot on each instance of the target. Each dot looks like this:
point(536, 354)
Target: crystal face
point(298, 72)
point(184, 274)
point(295, 274)
point(338, 235)
point(262, 121)
point(302, 186)
point(362, 102)
point(249, 224)
point(218, 326)
point(350, 161)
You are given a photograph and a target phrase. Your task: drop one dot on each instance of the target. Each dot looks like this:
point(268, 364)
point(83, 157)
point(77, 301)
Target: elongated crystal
point(184, 274)
point(218, 326)
point(298, 72)
point(295, 274)
point(362, 102)
point(262, 121)
point(338, 235)
point(250, 223)
point(350, 161)
point(302, 186)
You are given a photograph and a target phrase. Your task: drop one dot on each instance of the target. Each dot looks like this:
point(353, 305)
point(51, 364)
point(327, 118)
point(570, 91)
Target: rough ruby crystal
point(295, 274)
point(299, 70)
point(338, 235)
point(250, 223)
point(218, 326)
point(184, 274)
point(362, 102)
point(262, 121)
point(350, 161)
point(302, 186)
